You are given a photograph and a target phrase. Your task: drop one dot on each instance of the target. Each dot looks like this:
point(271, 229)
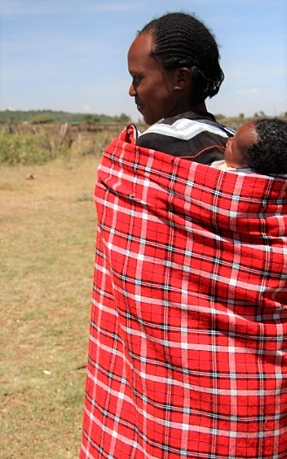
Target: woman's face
point(237, 147)
point(155, 91)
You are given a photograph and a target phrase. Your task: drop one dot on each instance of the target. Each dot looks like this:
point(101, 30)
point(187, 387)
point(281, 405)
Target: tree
point(123, 118)
point(91, 119)
point(42, 118)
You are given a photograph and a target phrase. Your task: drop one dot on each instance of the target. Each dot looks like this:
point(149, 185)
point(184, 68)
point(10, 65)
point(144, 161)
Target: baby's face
point(237, 146)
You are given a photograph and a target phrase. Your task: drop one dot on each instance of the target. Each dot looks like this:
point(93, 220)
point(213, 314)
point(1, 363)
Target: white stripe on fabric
point(184, 129)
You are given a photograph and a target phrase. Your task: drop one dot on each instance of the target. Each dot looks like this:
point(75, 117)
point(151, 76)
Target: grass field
point(47, 251)
point(47, 233)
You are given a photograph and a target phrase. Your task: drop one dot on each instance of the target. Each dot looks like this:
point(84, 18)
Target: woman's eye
point(136, 80)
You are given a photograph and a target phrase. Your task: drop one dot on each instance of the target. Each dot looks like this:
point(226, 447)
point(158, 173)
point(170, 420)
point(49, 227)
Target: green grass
point(29, 145)
point(19, 148)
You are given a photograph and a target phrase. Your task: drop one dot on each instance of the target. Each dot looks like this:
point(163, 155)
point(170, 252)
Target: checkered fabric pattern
point(188, 335)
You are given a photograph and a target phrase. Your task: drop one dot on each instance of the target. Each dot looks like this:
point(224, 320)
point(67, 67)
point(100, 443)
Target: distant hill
point(30, 116)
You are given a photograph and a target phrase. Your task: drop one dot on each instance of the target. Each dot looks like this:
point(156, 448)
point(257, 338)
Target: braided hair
point(269, 154)
point(181, 40)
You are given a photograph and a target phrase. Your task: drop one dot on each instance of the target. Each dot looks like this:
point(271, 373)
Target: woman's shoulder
point(197, 136)
point(188, 125)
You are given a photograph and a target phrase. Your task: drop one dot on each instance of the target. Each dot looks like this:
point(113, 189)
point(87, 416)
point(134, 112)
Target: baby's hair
point(181, 40)
point(269, 154)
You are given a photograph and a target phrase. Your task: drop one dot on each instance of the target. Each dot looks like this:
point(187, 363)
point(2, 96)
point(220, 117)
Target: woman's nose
point(132, 91)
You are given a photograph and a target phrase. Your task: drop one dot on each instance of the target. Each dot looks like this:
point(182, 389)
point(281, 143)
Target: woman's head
point(181, 40)
point(185, 52)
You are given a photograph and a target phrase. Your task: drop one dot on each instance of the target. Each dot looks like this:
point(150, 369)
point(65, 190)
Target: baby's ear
point(183, 78)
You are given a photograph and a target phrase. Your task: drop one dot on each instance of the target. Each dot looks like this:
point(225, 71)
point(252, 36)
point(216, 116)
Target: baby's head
point(260, 145)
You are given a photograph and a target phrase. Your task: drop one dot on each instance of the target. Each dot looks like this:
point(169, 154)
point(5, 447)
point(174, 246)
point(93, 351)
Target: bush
point(24, 148)
point(91, 119)
point(42, 118)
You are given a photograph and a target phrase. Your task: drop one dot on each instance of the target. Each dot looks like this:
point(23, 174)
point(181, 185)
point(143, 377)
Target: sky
point(72, 55)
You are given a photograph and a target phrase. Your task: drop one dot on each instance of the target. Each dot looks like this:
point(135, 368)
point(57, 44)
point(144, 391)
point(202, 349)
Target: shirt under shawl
point(198, 137)
point(188, 334)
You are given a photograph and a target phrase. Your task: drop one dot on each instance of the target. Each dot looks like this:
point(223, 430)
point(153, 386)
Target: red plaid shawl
point(187, 354)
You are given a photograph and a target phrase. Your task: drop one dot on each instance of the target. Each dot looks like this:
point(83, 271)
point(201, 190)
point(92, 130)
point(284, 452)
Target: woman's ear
point(183, 78)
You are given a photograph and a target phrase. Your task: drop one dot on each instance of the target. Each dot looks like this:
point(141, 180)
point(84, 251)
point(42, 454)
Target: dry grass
point(47, 251)
point(47, 230)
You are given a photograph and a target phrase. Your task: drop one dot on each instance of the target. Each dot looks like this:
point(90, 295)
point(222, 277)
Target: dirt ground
point(47, 232)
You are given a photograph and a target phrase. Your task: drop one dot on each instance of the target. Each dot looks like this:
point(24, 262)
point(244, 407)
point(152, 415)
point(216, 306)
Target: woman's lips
point(139, 106)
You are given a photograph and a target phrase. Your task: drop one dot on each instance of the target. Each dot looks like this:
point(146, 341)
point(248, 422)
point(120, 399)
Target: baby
point(258, 146)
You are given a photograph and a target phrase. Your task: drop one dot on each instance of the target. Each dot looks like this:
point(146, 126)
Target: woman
point(174, 64)
point(187, 350)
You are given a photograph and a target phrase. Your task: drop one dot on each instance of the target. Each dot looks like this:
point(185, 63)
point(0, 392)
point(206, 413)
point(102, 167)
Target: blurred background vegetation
point(51, 116)
point(39, 136)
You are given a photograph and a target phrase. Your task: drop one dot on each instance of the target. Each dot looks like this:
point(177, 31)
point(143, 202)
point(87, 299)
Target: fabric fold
point(187, 353)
